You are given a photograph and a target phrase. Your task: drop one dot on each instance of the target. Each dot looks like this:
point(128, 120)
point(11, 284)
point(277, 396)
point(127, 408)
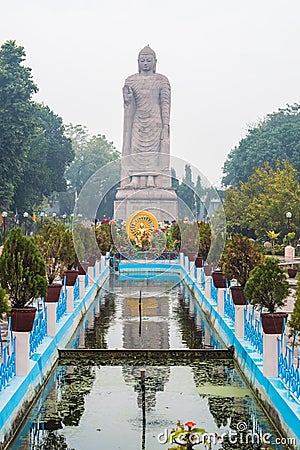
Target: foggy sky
point(229, 62)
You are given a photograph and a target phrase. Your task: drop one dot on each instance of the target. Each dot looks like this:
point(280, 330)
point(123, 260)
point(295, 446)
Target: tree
point(22, 269)
point(277, 137)
point(260, 204)
point(267, 285)
point(45, 161)
point(91, 153)
point(186, 189)
point(240, 256)
point(16, 124)
point(55, 243)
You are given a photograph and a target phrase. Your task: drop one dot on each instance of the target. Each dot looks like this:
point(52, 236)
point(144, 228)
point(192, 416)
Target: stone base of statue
point(161, 202)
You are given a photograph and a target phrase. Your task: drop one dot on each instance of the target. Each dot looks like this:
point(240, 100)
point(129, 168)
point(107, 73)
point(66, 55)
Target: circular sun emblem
point(140, 225)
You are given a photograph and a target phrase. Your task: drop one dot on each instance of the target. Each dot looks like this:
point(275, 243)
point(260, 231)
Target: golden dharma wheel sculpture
point(140, 225)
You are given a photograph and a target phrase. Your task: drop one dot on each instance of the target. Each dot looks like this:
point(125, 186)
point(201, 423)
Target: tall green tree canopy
point(34, 151)
point(260, 204)
point(277, 137)
point(16, 124)
point(44, 164)
point(91, 153)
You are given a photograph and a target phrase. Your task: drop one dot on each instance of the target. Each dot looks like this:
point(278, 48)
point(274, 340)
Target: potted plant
point(268, 287)
point(218, 279)
point(240, 257)
point(204, 243)
point(23, 276)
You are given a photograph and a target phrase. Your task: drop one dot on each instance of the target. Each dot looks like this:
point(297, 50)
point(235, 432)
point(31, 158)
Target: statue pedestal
point(161, 202)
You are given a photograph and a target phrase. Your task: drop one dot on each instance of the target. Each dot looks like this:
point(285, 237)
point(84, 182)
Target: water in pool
point(136, 406)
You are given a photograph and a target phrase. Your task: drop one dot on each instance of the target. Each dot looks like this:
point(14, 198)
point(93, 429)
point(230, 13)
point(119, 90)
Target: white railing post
point(22, 352)
point(81, 285)
point(239, 323)
point(270, 355)
point(207, 286)
point(221, 293)
point(70, 299)
point(51, 318)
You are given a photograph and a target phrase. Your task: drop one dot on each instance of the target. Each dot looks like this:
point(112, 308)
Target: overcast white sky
point(229, 62)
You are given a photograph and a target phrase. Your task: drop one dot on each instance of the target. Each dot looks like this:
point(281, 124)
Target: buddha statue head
point(147, 60)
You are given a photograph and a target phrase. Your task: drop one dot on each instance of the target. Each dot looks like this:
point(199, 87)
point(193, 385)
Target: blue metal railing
point(289, 364)
point(39, 329)
point(202, 278)
point(8, 358)
point(62, 303)
point(76, 289)
point(86, 280)
point(253, 328)
point(213, 291)
point(229, 305)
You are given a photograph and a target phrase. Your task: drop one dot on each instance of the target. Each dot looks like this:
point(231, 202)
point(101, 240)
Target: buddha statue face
point(147, 60)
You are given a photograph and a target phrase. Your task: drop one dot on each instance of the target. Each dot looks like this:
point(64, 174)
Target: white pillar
point(186, 263)
point(199, 272)
point(181, 259)
point(192, 270)
point(22, 352)
point(239, 321)
point(97, 269)
point(90, 272)
point(81, 286)
point(207, 287)
point(221, 293)
point(270, 355)
point(51, 318)
point(70, 299)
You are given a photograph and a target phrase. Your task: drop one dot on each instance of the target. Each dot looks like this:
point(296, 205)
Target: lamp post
point(64, 216)
point(25, 215)
point(42, 218)
point(54, 216)
point(4, 216)
point(288, 216)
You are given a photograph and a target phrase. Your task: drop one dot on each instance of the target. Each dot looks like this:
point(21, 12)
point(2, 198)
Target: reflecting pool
point(134, 406)
point(152, 313)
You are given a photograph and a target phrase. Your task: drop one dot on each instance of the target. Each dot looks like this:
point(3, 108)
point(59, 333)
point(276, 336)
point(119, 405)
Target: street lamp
point(54, 216)
point(288, 216)
point(4, 216)
point(64, 216)
point(42, 218)
point(25, 215)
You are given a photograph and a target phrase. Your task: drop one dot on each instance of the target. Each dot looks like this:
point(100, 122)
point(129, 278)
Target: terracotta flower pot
point(22, 318)
point(199, 261)
point(53, 293)
point(71, 276)
point(272, 323)
point(218, 279)
point(238, 296)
